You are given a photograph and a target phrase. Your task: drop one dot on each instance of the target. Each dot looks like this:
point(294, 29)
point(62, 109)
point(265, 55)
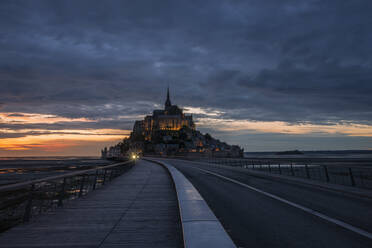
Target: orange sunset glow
point(60, 141)
point(49, 141)
point(30, 118)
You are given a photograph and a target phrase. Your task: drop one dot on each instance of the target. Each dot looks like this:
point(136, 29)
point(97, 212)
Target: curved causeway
point(137, 209)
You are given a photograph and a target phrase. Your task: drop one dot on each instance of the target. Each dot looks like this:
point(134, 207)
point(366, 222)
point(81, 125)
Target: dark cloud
point(125, 124)
point(16, 115)
point(38, 133)
point(291, 60)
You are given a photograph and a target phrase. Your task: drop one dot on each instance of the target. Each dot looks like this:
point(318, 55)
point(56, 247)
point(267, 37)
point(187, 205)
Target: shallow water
point(13, 170)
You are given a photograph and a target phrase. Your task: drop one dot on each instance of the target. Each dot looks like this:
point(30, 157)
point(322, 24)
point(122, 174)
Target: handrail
point(19, 202)
point(265, 160)
point(70, 174)
point(355, 176)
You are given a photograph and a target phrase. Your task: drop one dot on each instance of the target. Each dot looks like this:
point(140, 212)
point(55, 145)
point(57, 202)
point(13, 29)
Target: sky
point(267, 75)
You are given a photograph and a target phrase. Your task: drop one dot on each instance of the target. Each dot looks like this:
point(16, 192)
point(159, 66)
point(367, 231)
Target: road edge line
point(298, 206)
point(342, 189)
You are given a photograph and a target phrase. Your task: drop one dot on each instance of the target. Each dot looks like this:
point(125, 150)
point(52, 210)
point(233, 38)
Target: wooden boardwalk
point(137, 209)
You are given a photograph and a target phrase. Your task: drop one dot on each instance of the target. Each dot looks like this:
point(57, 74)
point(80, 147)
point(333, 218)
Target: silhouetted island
point(169, 131)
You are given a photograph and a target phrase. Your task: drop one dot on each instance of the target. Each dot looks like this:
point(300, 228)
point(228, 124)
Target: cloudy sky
point(267, 75)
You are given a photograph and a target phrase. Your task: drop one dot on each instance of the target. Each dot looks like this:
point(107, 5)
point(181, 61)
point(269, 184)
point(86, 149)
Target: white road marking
point(308, 210)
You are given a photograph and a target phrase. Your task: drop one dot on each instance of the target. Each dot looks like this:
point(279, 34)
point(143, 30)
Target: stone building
point(171, 118)
point(167, 132)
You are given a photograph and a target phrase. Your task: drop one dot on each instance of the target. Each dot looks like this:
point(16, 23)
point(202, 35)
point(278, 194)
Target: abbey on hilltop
point(169, 131)
point(162, 121)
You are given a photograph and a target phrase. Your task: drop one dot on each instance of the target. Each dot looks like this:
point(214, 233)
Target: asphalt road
point(255, 220)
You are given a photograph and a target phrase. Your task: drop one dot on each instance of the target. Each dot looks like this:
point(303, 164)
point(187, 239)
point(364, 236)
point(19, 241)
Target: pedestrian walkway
point(137, 209)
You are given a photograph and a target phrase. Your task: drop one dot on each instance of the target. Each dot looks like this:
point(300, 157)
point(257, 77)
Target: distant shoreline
point(319, 151)
point(312, 152)
point(49, 157)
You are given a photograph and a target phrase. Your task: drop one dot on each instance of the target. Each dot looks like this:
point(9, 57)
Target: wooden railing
point(20, 202)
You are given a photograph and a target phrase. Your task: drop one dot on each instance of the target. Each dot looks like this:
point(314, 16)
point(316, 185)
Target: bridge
point(174, 202)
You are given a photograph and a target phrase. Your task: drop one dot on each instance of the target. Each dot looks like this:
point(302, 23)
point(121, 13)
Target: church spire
point(168, 102)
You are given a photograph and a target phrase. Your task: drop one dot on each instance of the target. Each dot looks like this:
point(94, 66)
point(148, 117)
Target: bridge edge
point(198, 231)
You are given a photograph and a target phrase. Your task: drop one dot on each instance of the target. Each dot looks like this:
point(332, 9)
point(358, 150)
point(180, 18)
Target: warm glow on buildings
point(171, 118)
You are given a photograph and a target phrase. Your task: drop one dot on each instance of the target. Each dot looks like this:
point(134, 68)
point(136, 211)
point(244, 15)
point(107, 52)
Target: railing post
point(81, 186)
point(307, 171)
point(28, 209)
point(104, 177)
point(269, 168)
point(62, 193)
point(326, 173)
point(351, 177)
point(110, 178)
point(292, 172)
point(95, 180)
point(280, 169)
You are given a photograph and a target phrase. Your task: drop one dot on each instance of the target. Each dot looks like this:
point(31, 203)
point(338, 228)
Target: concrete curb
point(200, 226)
point(327, 186)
